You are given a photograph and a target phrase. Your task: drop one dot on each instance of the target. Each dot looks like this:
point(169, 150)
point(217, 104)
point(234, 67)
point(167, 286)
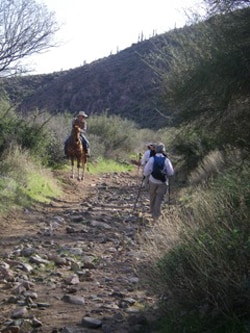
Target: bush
point(31, 133)
point(117, 135)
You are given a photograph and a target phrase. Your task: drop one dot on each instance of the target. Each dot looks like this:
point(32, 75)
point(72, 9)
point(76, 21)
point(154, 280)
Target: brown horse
point(74, 151)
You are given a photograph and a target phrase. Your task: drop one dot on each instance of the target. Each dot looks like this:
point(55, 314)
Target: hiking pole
point(168, 190)
point(138, 194)
point(139, 163)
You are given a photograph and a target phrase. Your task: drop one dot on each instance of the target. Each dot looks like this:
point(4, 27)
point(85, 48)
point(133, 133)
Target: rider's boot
point(87, 151)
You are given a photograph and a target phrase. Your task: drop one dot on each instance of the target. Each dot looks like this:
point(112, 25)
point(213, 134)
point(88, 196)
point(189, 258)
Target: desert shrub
point(116, 134)
point(30, 133)
point(191, 145)
point(48, 133)
point(97, 147)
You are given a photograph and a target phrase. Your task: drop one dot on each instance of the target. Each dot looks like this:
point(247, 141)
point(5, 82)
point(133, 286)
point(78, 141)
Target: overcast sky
point(93, 29)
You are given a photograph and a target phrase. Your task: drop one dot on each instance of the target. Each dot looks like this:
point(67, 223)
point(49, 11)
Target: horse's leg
point(83, 167)
point(72, 167)
point(82, 164)
point(84, 161)
point(78, 169)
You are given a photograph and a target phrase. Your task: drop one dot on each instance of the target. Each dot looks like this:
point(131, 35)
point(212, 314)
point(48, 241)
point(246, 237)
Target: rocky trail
point(71, 266)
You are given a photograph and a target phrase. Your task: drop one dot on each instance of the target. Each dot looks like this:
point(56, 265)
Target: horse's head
point(75, 133)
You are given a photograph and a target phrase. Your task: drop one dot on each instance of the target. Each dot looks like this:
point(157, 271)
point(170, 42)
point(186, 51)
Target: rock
point(5, 272)
point(100, 225)
point(76, 218)
point(90, 322)
point(25, 266)
point(78, 300)
point(31, 294)
point(28, 251)
point(73, 279)
point(36, 323)
point(19, 313)
point(58, 260)
point(38, 260)
point(11, 329)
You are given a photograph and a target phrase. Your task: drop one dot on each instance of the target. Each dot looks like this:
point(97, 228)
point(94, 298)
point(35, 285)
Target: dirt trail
point(71, 266)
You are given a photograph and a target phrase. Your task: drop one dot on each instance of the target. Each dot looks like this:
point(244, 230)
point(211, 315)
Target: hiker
point(146, 156)
point(80, 120)
point(158, 179)
point(148, 153)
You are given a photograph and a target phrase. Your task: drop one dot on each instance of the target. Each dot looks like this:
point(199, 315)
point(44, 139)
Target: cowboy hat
point(82, 113)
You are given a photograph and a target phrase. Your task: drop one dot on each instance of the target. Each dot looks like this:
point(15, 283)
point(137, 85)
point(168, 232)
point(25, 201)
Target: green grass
point(28, 183)
point(104, 166)
point(8, 189)
point(41, 187)
point(23, 181)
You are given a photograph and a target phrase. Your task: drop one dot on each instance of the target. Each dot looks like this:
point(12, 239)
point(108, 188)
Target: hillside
point(122, 84)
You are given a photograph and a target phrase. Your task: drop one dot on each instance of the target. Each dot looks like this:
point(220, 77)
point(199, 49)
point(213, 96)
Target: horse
point(74, 151)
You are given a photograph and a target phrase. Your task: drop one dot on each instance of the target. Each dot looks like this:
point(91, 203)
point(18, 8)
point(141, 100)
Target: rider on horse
point(80, 120)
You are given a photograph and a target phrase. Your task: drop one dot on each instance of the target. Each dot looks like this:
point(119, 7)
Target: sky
point(94, 29)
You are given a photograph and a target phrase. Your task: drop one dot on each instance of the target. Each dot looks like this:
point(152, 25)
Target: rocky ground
point(71, 266)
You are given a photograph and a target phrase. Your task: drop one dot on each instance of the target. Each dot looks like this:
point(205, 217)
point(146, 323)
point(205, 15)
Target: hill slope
point(122, 84)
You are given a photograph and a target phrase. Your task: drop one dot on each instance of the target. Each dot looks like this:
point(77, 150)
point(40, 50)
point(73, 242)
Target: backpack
point(158, 168)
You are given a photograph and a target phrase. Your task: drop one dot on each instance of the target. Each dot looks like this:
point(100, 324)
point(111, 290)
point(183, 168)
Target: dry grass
point(198, 254)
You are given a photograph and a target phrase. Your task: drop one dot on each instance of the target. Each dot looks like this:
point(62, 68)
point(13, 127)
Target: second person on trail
point(158, 168)
point(146, 156)
point(81, 121)
point(148, 153)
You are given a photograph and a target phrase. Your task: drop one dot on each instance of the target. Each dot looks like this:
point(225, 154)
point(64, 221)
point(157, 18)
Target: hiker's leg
point(152, 196)
point(160, 192)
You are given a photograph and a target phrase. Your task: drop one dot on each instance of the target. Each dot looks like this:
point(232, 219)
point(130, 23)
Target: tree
point(224, 6)
point(26, 28)
point(205, 71)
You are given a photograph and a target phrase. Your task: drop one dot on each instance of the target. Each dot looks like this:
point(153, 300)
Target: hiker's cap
point(160, 148)
point(82, 113)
